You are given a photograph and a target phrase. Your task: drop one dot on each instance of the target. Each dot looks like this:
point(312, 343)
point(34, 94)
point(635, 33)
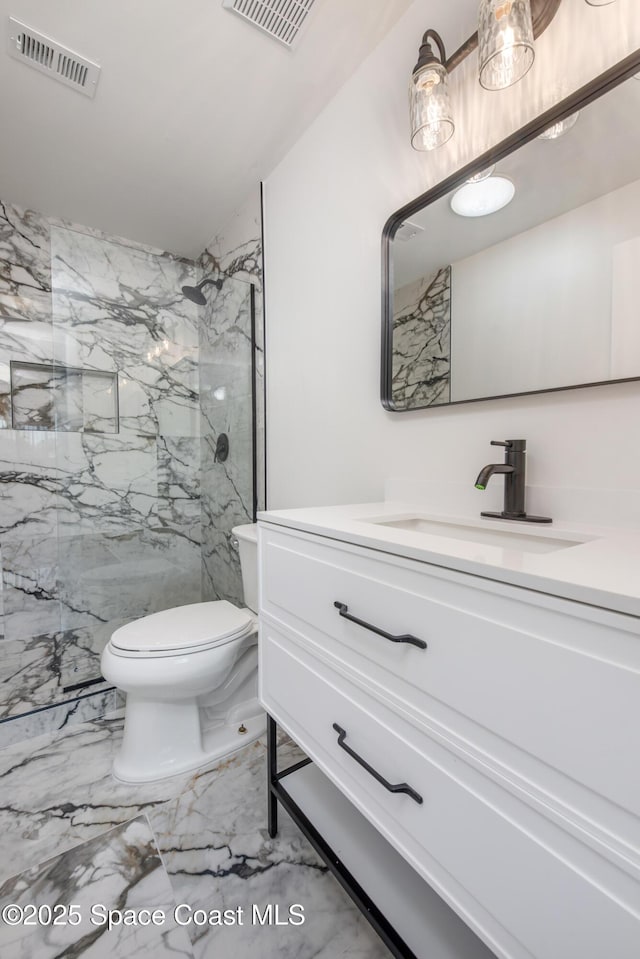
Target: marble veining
point(421, 359)
point(38, 671)
point(120, 869)
point(114, 506)
point(25, 295)
point(216, 850)
point(68, 826)
point(120, 309)
point(226, 396)
point(50, 720)
point(48, 397)
point(100, 474)
point(227, 489)
point(178, 476)
point(25, 256)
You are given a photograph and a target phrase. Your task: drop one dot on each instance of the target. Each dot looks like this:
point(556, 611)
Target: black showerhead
point(195, 294)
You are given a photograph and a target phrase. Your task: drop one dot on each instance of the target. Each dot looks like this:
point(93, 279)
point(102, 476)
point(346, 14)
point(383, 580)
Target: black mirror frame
point(576, 101)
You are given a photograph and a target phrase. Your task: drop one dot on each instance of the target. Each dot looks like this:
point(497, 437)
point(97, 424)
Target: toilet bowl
point(190, 675)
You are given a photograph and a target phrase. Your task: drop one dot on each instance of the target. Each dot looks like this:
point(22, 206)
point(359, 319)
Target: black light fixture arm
point(426, 54)
point(542, 13)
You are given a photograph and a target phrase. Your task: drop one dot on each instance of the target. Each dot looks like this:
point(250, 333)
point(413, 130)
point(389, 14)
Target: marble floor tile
point(57, 791)
point(118, 870)
point(215, 846)
point(210, 832)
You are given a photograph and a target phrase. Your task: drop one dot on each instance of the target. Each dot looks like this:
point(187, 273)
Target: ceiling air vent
point(407, 231)
point(281, 19)
point(52, 58)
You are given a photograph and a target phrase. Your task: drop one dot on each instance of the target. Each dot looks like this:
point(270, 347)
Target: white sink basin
point(534, 542)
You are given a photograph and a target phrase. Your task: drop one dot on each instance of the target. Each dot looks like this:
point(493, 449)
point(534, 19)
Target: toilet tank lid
point(182, 627)
point(248, 531)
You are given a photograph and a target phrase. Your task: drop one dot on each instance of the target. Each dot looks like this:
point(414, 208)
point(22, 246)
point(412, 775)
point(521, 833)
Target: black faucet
point(514, 488)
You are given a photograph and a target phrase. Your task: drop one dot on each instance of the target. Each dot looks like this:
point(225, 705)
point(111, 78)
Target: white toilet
point(191, 677)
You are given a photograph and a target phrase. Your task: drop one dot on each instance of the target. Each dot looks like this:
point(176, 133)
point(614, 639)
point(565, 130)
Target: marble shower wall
point(235, 256)
point(421, 363)
point(99, 451)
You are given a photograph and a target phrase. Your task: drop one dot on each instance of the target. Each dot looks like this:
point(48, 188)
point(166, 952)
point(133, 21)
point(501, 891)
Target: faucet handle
point(518, 446)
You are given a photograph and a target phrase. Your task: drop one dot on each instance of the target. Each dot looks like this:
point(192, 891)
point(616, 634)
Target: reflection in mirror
point(422, 341)
point(540, 295)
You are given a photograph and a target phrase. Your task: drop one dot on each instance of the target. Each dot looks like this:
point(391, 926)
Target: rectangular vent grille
point(50, 57)
point(281, 19)
point(407, 230)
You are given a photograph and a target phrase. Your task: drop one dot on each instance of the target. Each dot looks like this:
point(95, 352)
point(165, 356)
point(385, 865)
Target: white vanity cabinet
point(492, 736)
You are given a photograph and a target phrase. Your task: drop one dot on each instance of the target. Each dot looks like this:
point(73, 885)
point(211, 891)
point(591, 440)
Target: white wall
point(329, 440)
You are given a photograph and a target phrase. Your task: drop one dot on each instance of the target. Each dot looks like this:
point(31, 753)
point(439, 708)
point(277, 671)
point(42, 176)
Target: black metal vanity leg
point(272, 766)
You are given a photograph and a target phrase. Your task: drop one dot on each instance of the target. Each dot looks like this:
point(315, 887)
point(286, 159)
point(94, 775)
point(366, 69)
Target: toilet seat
point(183, 629)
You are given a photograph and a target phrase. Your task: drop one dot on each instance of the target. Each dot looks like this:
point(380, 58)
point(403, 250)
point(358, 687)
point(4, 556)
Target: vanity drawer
point(487, 854)
point(558, 680)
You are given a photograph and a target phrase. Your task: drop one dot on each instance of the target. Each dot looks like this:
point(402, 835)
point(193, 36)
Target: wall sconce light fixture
point(429, 105)
point(560, 128)
point(505, 41)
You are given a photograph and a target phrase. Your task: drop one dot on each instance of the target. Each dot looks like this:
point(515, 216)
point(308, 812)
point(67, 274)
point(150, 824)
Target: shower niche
point(47, 396)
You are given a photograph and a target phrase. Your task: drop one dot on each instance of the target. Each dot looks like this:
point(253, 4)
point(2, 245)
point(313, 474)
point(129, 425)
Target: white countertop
point(602, 569)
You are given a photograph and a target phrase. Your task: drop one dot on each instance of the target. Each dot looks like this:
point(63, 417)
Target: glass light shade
point(430, 108)
point(560, 128)
point(505, 42)
point(481, 199)
point(483, 175)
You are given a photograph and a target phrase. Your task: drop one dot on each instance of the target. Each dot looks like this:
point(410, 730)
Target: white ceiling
point(194, 106)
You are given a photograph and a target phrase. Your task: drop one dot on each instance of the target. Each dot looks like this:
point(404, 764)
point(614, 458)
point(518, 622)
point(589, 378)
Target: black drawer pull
point(391, 787)
point(406, 638)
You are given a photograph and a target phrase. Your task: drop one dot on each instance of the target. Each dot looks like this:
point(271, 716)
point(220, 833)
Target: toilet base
point(198, 748)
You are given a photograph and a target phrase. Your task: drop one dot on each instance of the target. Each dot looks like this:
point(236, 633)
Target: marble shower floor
point(70, 833)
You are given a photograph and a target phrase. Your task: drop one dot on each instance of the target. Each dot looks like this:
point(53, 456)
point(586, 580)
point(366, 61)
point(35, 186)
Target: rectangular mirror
point(542, 294)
